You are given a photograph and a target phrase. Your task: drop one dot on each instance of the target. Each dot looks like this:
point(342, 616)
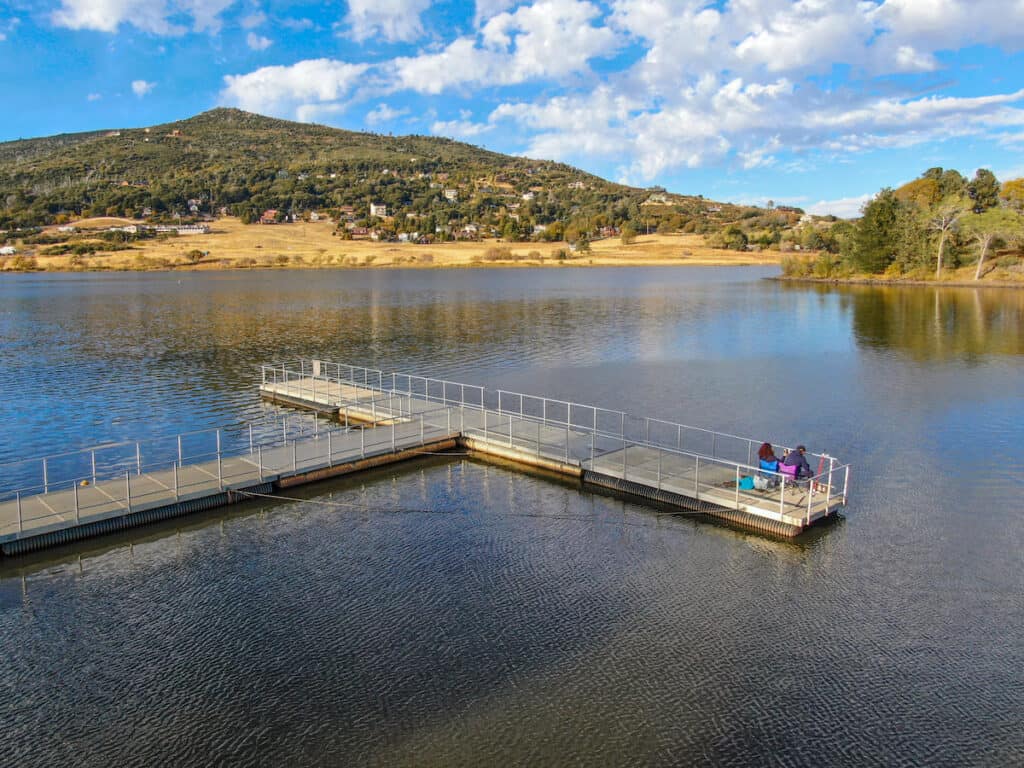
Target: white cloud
point(953, 24)
point(147, 15)
point(297, 25)
point(382, 113)
point(258, 42)
point(459, 129)
point(302, 90)
point(550, 39)
point(141, 87)
point(254, 20)
point(844, 208)
point(94, 97)
point(393, 20)
point(487, 9)
point(108, 15)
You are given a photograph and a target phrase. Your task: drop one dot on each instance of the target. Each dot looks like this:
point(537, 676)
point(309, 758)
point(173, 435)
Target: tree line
point(937, 222)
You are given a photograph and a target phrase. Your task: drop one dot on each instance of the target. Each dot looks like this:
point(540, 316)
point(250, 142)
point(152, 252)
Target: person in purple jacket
point(796, 459)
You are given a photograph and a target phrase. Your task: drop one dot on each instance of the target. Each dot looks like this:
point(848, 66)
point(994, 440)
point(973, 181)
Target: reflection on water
point(465, 614)
point(937, 323)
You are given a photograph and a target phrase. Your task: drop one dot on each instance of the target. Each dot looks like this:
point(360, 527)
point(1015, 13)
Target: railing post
point(46, 479)
point(220, 472)
point(93, 456)
point(393, 445)
point(295, 456)
point(21, 524)
point(782, 498)
point(179, 456)
point(538, 438)
point(593, 439)
point(625, 459)
point(138, 459)
point(362, 443)
point(330, 449)
point(75, 486)
point(485, 425)
point(659, 469)
point(647, 430)
point(421, 429)
point(846, 483)
point(128, 489)
point(567, 443)
point(218, 443)
point(250, 439)
point(259, 455)
point(810, 496)
point(714, 444)
point(448, 413)
point(510, 430)
point(737, 486)
point(696, 479)
point(174, 467)
point(828, 486)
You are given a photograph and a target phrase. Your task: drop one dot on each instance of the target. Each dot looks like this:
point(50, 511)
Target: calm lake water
point(456, 613)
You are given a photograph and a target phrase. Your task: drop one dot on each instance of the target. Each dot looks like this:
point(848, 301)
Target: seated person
point(769, 464)
point(796, 465)
point(767, 459)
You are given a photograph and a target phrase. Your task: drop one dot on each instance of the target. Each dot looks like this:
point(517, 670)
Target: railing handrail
point(382, 376)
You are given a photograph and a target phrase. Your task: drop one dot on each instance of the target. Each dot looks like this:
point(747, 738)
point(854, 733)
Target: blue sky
point(816, 103)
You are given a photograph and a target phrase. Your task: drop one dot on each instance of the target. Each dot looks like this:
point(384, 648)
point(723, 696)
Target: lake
point(459, 613)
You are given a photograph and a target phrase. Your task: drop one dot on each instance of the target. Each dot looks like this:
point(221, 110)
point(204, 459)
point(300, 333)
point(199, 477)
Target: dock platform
point(380, 418)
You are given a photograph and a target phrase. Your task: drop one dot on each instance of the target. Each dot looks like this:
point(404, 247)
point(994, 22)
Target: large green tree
point(872, 244)
point(984, 190)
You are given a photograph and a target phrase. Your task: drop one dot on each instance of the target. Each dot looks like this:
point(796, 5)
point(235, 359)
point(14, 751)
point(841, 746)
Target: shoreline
point(890, 282)
point(550, 264)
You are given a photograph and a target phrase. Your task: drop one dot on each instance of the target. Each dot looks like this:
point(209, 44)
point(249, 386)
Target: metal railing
point(172, 468)
point(713, 449)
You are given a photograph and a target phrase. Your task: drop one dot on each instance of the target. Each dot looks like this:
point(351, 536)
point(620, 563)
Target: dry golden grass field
point(231, 244)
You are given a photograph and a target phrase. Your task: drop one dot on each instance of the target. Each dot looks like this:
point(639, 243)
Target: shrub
point(498, 254)
point(796, 266)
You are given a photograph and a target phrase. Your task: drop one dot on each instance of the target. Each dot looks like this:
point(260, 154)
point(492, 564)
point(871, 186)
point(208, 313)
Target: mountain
point(230, 161)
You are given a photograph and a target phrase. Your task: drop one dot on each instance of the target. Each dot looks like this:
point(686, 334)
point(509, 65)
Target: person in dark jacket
point(796, 459)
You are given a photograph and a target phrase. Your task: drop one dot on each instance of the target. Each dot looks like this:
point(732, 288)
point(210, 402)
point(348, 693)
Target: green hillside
point(229, 161)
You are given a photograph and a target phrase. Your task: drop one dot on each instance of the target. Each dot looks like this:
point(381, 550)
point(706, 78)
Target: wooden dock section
point(386, 418)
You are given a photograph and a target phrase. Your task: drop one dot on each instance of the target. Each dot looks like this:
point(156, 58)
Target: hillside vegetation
point(229, 162)
point(940, 226)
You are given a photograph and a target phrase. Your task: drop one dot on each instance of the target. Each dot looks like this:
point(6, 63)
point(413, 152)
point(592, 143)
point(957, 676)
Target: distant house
point(269, 216)
point(577, 185)
point(8, 250)
point(378, 209)
point(451, 195)
point(528, 196)
point(314, 216)
point(360, 232)
point(347, 210)
point(67, 228)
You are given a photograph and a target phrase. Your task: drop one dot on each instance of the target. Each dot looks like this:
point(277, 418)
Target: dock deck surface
point(381, 420)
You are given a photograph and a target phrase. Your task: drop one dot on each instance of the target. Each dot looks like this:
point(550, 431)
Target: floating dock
point(381, 418)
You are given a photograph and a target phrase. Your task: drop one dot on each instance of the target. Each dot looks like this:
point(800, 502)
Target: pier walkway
point(389, 417)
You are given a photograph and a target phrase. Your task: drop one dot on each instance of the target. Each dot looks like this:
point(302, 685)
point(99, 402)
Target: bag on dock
point(746, 483)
